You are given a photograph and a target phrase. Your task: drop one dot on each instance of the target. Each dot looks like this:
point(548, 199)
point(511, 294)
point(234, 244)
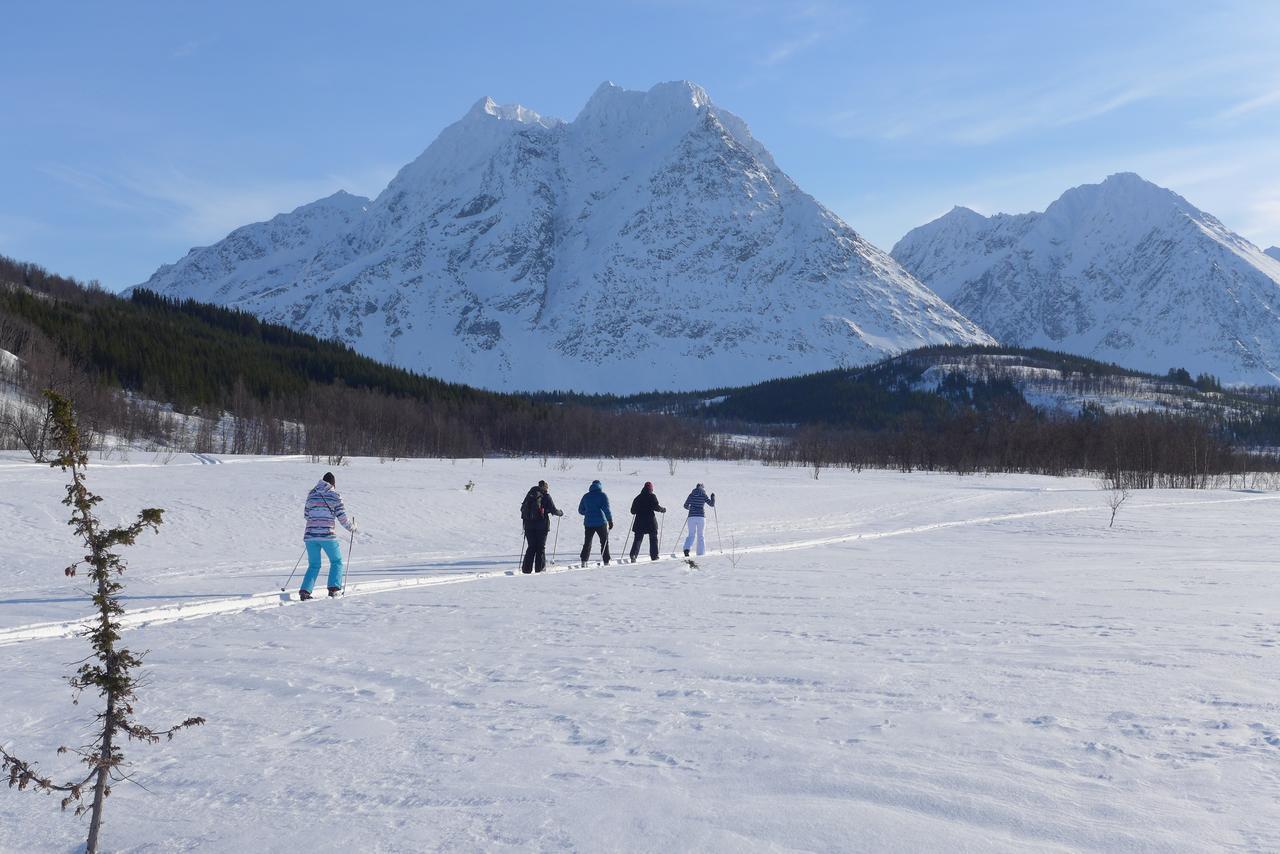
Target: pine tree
point(110, 669)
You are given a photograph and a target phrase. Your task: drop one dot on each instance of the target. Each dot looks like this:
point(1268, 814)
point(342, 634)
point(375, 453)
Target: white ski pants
point(696, 525)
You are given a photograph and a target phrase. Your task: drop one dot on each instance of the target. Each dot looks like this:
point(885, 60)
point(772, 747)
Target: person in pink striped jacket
point(323, 511)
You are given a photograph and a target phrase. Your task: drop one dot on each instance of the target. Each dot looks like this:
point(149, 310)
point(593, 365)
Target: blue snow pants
point(334, 551)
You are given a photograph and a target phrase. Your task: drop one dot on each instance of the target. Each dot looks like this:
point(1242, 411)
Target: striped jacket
point(694, 503)
point(323, 507)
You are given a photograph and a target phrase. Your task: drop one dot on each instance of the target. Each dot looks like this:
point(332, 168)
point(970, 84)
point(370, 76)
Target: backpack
point(531, 510)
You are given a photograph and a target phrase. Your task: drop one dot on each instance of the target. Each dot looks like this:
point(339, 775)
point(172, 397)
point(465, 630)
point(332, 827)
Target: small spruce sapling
point(109, 671)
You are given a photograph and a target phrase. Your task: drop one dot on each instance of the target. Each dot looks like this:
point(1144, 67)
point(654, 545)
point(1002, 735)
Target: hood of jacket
point(596, 487)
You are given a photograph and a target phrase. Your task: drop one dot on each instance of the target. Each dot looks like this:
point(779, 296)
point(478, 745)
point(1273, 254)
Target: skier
point(322, 508)
point(644, 507)
point(598, 520)
point(536, 512)
point(695, 504)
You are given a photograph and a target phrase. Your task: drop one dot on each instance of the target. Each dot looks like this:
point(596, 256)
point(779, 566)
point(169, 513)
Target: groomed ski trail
point(260, 601)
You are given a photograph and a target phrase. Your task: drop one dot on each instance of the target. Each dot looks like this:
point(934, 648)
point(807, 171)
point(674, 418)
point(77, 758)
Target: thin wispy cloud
point(202, 209)
point(16, 230)
point(94, 189)
point(1252, 105)
point(1041, 110)
point(1000, 86)
point(808, 26)
point(977, 113)
point(789, 48)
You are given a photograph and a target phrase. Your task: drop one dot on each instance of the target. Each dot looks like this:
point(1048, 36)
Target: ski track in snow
point(258, 601)
point(895, 663)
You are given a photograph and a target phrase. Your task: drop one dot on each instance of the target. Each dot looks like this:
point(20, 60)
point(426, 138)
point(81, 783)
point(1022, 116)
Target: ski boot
point(304, 595)
point(334, 591)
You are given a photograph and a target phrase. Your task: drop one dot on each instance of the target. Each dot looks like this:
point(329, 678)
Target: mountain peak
point(1124, 198)
point(611, 102)
point(1130, 188)
point(520, 253)
point(962, 215)
point(1274, 252)
point(486, 107)
point(1123, 270)
point(1126, 179)
point(341, 200)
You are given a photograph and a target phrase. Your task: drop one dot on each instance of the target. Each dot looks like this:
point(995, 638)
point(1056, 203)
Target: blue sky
point(134, 131)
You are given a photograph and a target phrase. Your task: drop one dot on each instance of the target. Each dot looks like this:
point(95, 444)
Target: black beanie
point(328, 478)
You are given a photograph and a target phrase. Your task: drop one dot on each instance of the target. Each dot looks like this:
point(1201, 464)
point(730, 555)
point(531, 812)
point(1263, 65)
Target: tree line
point(152, 371)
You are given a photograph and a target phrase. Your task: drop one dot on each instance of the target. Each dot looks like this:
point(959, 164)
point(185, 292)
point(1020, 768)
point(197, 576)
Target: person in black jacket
point(536, 512)
point(646, 507)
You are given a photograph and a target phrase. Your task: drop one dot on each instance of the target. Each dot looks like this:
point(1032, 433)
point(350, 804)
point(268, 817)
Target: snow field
point(989, 668)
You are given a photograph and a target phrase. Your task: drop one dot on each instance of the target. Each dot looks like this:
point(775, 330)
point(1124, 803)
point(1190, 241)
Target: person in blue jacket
point(598, 520)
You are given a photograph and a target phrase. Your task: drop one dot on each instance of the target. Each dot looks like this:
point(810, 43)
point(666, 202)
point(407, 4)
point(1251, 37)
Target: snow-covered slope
point(650, 243)
point(253, 260)
point(1274, 252)
point(888, 663)
point(1123, 271)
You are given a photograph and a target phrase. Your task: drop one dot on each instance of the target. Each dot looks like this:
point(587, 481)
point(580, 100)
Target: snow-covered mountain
point(1274, 252)
point(652, 242)
point(1123, 271)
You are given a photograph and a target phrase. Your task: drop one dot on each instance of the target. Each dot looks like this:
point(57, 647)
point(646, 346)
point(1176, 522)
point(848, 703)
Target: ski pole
point(627, 538)
point(555, 542)
point(351, 547)
point(295, 568)
point(520, 556)
point(717, 516)
point(682, 526)
point(661, 522)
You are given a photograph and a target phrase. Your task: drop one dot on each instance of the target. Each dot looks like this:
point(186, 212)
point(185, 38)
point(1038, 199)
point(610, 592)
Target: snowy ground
point(896, 662)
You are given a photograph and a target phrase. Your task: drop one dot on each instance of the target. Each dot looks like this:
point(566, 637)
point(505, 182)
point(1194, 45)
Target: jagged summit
point(341, 199)
point(486, 106)
point(651, 242)
point(1123, 270)
point(611, 101)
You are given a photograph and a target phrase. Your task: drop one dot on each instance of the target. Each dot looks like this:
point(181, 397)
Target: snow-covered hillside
point(1064, 391)
point(650, 243)
point(1274, 252)
point(1123, 271)
point(896, 663)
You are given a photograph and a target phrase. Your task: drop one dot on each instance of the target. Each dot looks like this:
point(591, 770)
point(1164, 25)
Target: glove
point(662, 510)
point(713, 496)
point(559, 512)
point(610, 526)
point(354, 526)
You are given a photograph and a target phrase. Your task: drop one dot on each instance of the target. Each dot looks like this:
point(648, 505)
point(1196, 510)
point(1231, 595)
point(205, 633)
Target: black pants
point(536, 553)
point(603, 533)
point(653, 544)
